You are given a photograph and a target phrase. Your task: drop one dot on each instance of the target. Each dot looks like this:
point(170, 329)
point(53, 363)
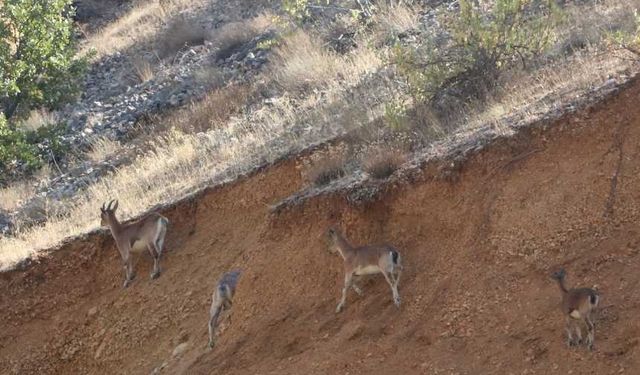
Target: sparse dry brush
point(232, 36)
point(381, 162)
point(211, 112)
point(322, 168)
point(178, 34)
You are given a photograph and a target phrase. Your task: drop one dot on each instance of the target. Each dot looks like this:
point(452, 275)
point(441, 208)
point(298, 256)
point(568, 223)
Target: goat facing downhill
point(577, 306)
point(222, 299)
point(366, 260)
point(149, 230)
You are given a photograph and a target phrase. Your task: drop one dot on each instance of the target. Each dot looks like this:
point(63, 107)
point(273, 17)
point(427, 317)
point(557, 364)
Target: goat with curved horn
point(149, 230)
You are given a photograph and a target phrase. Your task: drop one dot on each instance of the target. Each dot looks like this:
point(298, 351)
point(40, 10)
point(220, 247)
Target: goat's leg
point(591, 331)
point(215, 313)
point(356, 288)
point(155, 254)
point(569, 329)
point(398, 272)
point(578, 330)
point(128, 265)
point(394, 288)
point(348, 279)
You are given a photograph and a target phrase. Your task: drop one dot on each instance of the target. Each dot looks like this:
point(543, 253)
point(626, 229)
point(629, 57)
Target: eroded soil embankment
point(478, 244)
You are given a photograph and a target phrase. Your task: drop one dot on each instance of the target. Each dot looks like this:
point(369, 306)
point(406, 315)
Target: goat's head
point(331, 236)
point(559, 275)
point(108, 213)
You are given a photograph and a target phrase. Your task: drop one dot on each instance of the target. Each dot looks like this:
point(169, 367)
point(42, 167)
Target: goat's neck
point(344, 248)
point(562, 286)
point(115, 226)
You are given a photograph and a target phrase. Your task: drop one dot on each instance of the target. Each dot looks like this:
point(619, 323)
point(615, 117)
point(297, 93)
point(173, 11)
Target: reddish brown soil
point(478, 245)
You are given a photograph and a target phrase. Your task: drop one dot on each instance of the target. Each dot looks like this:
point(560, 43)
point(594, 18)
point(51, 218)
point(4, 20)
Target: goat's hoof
point(126, 284)
point(338, 309)
point(397, 302)
point(212, 344)
point(155, 275)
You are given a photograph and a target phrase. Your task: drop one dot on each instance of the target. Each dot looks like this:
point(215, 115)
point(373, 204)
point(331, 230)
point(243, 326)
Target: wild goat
point(149, 230)
point(366, 260)
point(222, 300)
point(577, 305)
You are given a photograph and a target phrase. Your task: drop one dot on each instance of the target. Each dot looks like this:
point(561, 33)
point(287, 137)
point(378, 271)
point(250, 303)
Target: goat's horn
point(115, 205)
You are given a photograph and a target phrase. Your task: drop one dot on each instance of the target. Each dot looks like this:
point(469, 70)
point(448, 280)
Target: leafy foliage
point(25, 151)
point(477, 45)
point(628, 40)
point(37, 63)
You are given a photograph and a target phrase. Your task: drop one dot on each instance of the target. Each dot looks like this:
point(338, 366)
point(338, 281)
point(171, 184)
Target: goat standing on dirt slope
point(366, 260)
point(222, 300)
point(149, 230)
point(577, 305)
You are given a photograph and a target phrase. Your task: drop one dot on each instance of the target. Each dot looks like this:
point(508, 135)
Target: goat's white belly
point(367, 270)
point(138, 247)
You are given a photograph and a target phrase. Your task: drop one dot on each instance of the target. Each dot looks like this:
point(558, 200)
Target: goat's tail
point(397, 260)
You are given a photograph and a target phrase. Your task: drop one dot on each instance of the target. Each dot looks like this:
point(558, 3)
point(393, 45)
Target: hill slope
point(478, 244)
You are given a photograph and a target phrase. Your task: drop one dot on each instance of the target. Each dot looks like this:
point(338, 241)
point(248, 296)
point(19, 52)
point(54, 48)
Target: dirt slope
point(478, 244)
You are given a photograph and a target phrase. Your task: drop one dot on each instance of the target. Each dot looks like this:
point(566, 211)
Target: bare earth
point(478, 245)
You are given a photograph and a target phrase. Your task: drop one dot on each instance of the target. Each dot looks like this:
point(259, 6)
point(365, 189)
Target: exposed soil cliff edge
point(478, 244)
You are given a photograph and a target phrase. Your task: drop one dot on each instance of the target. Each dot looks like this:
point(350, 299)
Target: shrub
point(325, 167)
point(22, 152)
point(629, 40)
point(477, 45)
point(37, 63)
point(380, 163)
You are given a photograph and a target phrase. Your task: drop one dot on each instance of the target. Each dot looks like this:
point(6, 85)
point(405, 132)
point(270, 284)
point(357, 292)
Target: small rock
point(179, 349)
point(92, 311)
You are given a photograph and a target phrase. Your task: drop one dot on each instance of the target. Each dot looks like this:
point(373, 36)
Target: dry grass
point(102, 148)
point(232, 36)
point(300, 62)
point(142, 69)
point(138, 25)
point(39, 118)
point(179, 34)
point(392, 21)
point(178, 163)
point(12, 196)
point(210, 113)
point(233, 139)
point(381, 161)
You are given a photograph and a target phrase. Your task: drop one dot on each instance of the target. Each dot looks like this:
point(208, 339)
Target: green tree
point(37, 55)
point(478, 44)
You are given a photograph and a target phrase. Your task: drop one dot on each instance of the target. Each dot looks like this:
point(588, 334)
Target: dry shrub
point(178, 34)
point(212, 112)
point(301, 62)
point(322, 168)
point(232, 36)
point(393, 21)
point(382, 161)
point(102, 148)
point(142, 69)
point(39, 118)
point(14, 195)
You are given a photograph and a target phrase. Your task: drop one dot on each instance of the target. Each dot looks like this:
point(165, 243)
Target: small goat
point(222, 300)
point(149, 230)
point(577, 305)
point(366, 260)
